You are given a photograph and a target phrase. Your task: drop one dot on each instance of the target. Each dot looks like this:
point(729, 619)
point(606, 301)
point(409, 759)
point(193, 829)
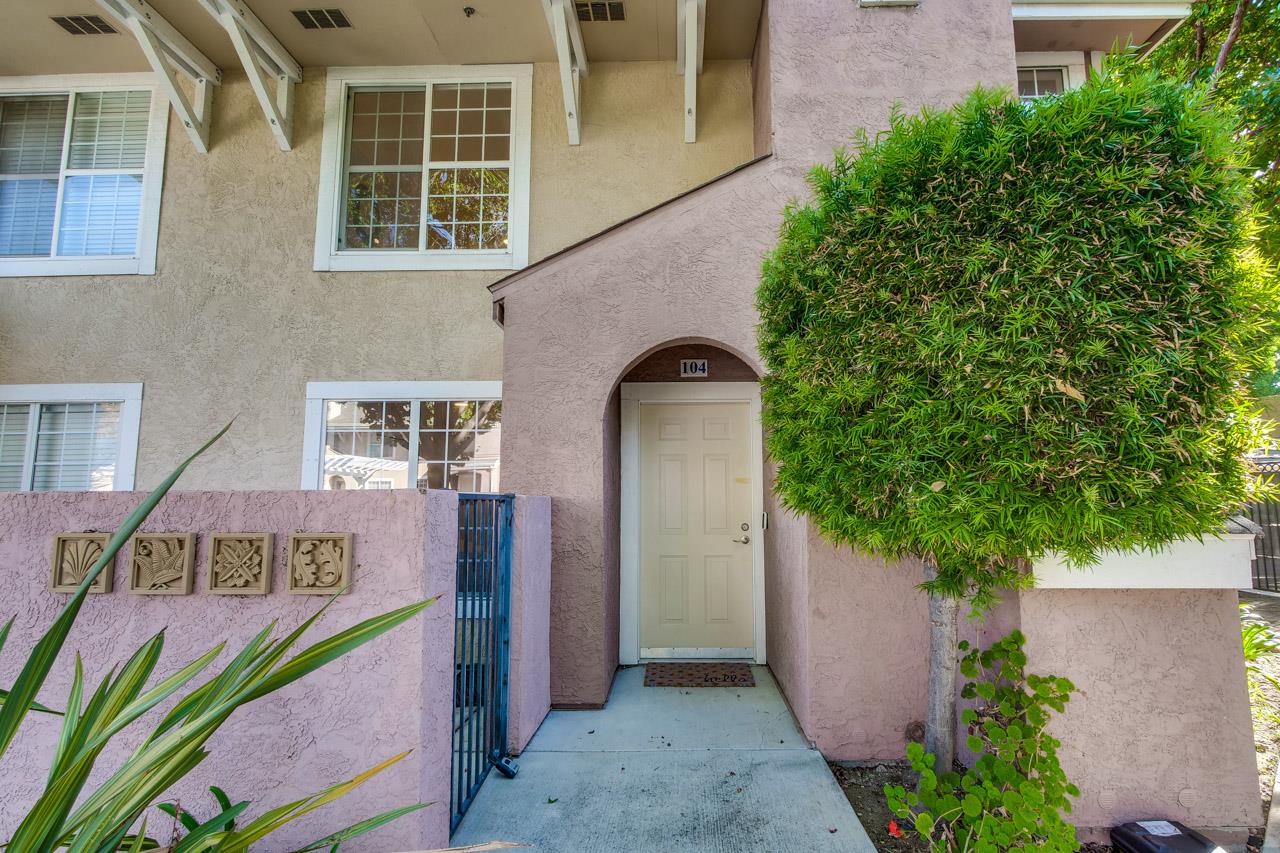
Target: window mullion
point(415, 409)
point(62, 173)
point(29, 452)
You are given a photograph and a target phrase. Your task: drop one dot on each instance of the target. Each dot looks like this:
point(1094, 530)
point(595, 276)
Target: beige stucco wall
point(236, 323)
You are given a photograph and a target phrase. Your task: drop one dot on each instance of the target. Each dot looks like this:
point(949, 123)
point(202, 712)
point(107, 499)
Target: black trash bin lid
point(1160, 836)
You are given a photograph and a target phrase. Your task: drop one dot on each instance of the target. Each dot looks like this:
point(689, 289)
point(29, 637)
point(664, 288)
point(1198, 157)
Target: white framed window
point(69, 437)
point(403, 435)
point(425, 168)
point(81, 166)
point(1037, 82)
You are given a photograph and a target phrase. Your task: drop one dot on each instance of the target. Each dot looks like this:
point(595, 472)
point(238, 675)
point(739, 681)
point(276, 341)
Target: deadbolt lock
point(745, 527)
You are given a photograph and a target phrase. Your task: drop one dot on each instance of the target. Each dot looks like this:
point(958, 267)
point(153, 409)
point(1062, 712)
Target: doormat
point(698, 675)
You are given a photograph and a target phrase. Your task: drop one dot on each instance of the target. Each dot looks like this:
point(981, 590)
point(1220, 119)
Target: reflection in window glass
point(383, 208)
point(399, 444)
point(1038, 82)
point(466, 142)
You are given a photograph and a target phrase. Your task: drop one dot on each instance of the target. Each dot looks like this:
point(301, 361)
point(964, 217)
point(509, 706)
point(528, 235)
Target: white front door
point(696, 530)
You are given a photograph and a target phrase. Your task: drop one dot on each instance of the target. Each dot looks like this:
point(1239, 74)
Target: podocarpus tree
point(1008, 329)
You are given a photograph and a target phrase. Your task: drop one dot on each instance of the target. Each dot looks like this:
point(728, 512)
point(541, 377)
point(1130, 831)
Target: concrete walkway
point(666, 769)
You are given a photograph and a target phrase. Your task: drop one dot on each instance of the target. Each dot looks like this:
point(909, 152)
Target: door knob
point(742, 540)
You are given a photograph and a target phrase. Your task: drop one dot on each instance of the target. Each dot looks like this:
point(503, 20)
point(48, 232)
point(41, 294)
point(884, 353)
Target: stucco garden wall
point(393, 694)
point(235, 322)
point(530, 661)
point(1161, 724)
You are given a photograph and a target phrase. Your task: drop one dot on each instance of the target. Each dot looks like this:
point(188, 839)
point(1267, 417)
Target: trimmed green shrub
point(1007, 328)
point(1014, 797)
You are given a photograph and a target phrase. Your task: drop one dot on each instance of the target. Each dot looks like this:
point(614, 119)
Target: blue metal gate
point(1266, 555)
point(482, 635)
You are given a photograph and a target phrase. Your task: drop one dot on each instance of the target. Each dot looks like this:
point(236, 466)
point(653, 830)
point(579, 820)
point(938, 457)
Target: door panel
point(695, 497)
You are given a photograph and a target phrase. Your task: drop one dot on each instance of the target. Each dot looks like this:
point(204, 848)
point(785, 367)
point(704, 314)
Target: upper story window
point(80, 171)
point(425, 168)
point(68, 437)
point(1038, 82)
point(403, 435)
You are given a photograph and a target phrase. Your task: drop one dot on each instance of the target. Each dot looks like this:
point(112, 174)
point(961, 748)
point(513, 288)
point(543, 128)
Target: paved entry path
point(664, 769)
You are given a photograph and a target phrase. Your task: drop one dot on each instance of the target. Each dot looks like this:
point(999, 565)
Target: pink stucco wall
point(394, 693)
point(1165, 729)
point(1161, 724)
point(868, 652)
point(687, 272)
point(530, 690)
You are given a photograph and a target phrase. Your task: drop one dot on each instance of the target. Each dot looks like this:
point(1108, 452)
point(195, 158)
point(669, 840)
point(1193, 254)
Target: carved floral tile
point(319, 563)
point(240, 563)
point(73, 556)
point(162, 564)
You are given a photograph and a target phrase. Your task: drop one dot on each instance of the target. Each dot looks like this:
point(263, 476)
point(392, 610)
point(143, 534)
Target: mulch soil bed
point(864, 786)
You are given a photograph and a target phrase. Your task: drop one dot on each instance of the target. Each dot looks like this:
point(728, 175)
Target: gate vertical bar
point(1266, 514)
point(482, 639)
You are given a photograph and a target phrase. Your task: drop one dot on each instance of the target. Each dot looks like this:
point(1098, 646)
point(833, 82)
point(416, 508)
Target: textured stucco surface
point(529, 697)
point(1161, 723)
point(868, 652)
point(236, 322)
point(393, 694)
point(687, 273)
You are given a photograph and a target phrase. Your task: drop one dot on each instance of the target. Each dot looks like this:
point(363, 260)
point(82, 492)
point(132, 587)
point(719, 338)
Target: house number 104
point(693, 368)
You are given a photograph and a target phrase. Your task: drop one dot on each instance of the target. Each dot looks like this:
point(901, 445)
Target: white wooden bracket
point(691, 27)
point(572, 56)
point(169, 54)
point(262, 56)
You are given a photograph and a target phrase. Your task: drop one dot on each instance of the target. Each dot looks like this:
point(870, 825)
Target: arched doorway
point(691, 549)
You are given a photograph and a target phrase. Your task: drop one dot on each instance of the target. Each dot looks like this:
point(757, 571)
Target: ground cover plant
point(1016, 795)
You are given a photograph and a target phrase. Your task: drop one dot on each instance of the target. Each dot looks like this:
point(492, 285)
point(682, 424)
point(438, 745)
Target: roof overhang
point(1097, 25)
point(385, 32)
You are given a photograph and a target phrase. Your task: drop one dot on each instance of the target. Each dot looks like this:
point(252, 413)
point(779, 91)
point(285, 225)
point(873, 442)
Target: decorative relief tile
point(319, 563)
point(162, 563)
point(73, 556)
point(240, 563)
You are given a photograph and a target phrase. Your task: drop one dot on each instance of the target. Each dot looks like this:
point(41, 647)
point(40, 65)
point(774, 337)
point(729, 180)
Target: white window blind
point(59, 446)
point(72, 166)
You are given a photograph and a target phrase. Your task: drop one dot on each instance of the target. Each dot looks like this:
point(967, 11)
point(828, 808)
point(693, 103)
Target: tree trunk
point(1200, 42)
point(1237, 21)
point(940, 719)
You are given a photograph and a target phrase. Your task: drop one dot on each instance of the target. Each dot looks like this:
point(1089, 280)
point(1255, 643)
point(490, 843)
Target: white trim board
point(1038, 10)
point(143, 260)
point(339, 80)
point(127, 394)
point(318, 392)
point(1218, 562)
point(635, 394)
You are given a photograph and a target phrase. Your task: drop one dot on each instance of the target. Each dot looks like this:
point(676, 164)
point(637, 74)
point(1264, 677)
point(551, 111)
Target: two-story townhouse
point(513, 245)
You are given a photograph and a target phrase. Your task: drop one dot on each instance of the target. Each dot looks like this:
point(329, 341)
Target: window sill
point(371, 262)
point(45, 267)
